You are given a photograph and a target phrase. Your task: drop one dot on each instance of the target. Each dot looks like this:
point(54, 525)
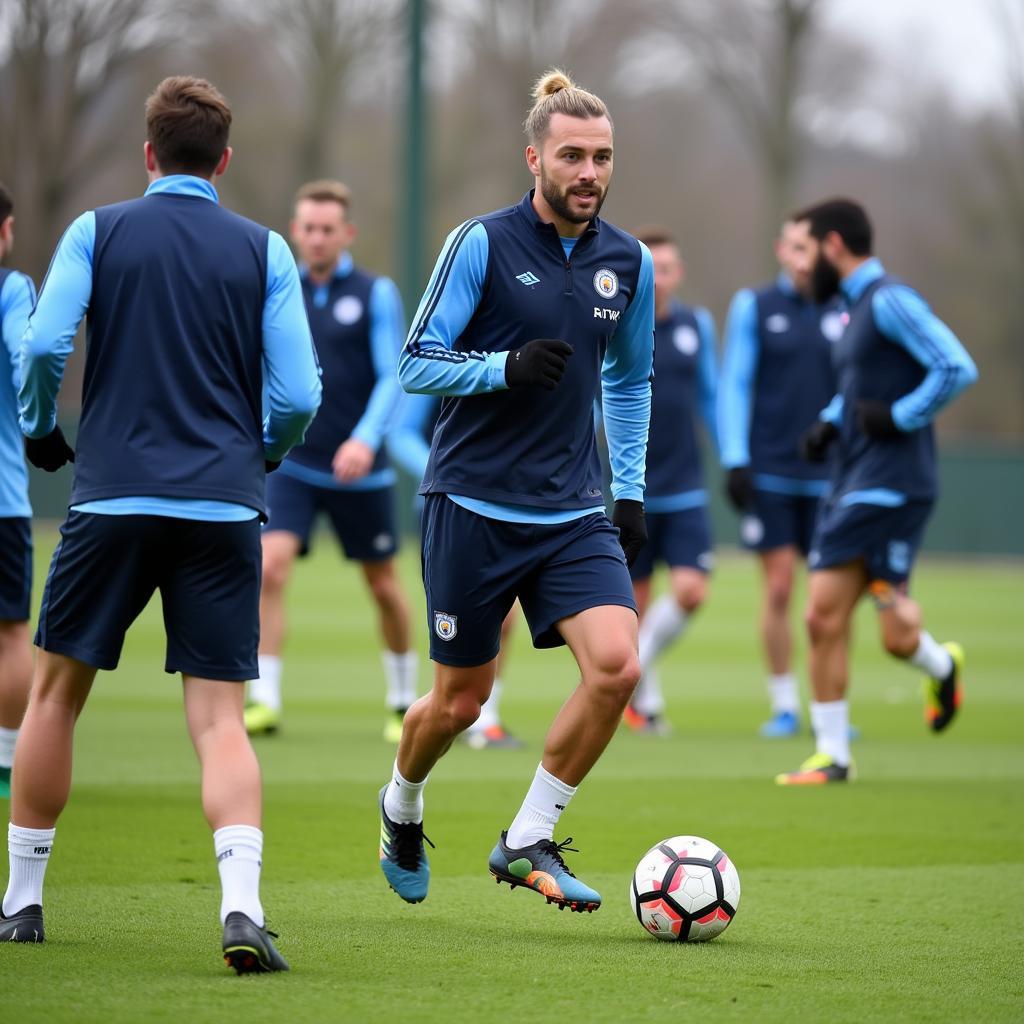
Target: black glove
point(875, 419)
point(628, 518)
point(739, 488)
point(815, 441)
point(538, 362)
point(271, 464)
point(50, 452)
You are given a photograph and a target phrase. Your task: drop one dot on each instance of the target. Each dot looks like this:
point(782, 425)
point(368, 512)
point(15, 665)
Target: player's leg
point(778, 572)
point(15, 639)
point(488, 732)
point(643, 712)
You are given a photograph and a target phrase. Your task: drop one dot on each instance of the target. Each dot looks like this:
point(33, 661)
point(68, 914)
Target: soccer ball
point(685, 889)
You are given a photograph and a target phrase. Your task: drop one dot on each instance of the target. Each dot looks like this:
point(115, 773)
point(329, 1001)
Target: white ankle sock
point(541, 809)
point(930, 657)
point(400, 675)
point(29, 850)
point(403, 800)
point(267, 689)
point(647, 697)
point(831, 724)
point(239, 850)
point(8, 737)
point(663, 623)
point(785, 696)
point(489, 710)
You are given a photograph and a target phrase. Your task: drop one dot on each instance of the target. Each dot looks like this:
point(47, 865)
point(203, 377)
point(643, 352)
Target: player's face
point(796, 251)
point(668, 272)
point(7, 235)
point(574, 166)
point(321, 233)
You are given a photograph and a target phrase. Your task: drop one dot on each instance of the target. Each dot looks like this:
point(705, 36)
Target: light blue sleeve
point(626, 387)
point(833, 412)
point(707, 371)
point(736, 384)
point(407, 443)
point(17, 298)
point(290, 367)
point(50, 333)
point(429, 364)
point(387, 332)
point(905, 318)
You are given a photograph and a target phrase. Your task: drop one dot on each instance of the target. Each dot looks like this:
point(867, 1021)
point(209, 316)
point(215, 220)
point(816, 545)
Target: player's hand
point(269, 465)
point(739, 488)
point(815, 441)
point(50, 452)
point(353, 460)
point(628, 517)
point(875, 419)
point(540, 362)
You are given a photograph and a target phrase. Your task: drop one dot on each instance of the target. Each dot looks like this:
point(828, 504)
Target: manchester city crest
point(446, 626)
point(606, 283)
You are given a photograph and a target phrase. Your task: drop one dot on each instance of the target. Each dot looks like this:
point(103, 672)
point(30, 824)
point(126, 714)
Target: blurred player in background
point(678, 528)
point(528, 310)
point(897, 365)
point(189, 309)
point(341, 469)
point(776, 376)
point(17, 297)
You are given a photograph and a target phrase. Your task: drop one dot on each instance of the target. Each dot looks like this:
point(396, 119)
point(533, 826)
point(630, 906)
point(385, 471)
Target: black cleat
point(249, 949)
point(24, 926)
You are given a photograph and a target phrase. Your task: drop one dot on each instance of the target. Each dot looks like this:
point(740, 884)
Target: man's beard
point(559, 201)
point(824, 280)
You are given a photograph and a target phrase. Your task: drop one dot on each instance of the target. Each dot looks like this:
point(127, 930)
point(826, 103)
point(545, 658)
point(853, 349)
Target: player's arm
point(290, 366)
point(407, 444)
point(429, 363)
point(707, 371)
point(816, 440)
point(907, 320)
point(17, 297)
point(736, 383)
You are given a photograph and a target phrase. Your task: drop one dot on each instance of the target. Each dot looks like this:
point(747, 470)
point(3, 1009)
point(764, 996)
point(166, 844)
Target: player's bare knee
point(617, 674)
point(276, 570)
point(691, 597)
point(461, 711)
point(823, 623)
point(900, 639)
point(778, 593)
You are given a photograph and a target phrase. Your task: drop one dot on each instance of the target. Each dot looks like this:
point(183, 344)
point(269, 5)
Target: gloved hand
point(875, 419)
point(628, 518)
point(539, 362)
point(739, 488)
point(815, 441)
point(49, 453)
point(270, 465)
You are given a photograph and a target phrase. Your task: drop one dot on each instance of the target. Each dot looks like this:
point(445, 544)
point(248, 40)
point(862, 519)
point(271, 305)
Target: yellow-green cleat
point(393, 727)
point(261, 719)
point(942, 697)
point(817, 770)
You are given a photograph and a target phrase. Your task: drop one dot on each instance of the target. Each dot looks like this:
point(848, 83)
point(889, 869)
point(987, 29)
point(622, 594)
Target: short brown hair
point(325, 190)
point(6, 203)
point(187, 124)
point(653, 234)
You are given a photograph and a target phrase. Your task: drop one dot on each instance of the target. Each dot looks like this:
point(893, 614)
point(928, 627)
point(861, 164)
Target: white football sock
point(784, 693)
point(489, 710)
point(831, 723)
point(267, 689)
point(239, 850)
point(29, 851)
point(8, 737)
point(663, 623)
point(403, 800)
point(400, 674)
point(541, 809)
point(930, 657)
point(647, 697)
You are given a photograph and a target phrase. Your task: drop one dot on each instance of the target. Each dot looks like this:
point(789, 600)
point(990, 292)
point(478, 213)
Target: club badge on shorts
point(606, 283)
point(446, 626)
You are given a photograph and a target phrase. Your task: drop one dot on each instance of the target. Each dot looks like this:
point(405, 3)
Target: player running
point(528, 310)
point(897, 366)
point(776, 376)
point(679, 533)
point(17, 297)
point(341, 468)
point(189, 309)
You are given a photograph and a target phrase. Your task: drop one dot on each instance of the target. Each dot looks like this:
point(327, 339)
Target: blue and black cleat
point(402, 856)
point(540, 867)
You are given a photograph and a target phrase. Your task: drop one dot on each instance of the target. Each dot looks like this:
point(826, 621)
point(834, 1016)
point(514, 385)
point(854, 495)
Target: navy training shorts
point(682, 540)
point(15, 569)
point(779, 521)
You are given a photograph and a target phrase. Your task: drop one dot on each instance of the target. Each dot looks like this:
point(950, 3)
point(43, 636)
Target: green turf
point(897, 898)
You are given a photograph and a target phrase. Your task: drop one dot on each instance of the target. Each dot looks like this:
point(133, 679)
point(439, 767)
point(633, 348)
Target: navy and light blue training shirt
point(529, 455)
point(684, 392)
point(894, 350)
point(17, 297)
point(188, 308)
point(776, 373)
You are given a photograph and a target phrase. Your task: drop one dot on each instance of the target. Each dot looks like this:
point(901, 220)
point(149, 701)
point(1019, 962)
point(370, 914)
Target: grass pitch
point(899, 897)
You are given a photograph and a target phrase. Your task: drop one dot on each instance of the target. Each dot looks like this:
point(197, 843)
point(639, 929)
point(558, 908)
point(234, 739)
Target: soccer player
point(679, 533)
point(776, 376)
point(341, 468)
point(528, 310)
point(17, 297)
point(189, 309)
point(897, 364)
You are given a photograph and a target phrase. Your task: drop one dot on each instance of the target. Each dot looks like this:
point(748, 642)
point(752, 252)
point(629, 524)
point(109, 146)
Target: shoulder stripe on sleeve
point(947, 372)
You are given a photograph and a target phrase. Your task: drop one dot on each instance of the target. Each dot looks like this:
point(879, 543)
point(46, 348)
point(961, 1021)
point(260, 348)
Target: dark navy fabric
point(172, 392)
point(555, 570)
point(363, 521)
point(886, 540)
point(15, 569)
point(106, 568)
point(682, 540)
point(529, 446)
point(780, 520)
